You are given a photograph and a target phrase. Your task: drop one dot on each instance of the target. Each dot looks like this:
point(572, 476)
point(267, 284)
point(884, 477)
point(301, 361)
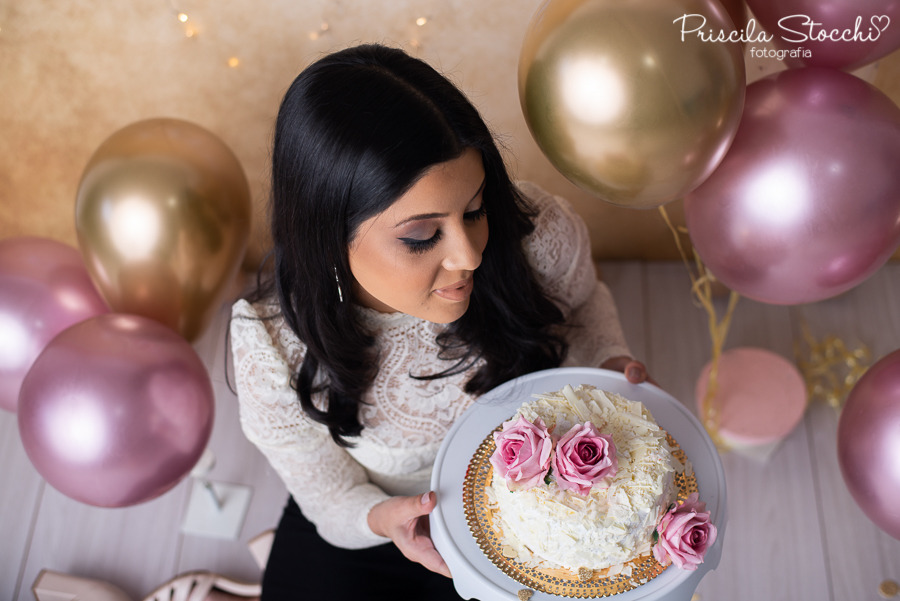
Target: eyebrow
point(423, 216)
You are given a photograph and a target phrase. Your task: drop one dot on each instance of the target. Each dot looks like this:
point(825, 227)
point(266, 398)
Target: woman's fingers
point(635, 371)
point(427, 555)
point(405, 521)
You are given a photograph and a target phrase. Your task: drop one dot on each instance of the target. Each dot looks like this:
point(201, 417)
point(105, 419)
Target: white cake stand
point(474, 575)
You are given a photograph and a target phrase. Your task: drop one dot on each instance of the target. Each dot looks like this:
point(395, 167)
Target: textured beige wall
point(72, 73)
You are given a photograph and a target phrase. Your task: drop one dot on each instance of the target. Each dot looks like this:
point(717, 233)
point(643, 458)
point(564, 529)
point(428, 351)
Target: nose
point(464, 249)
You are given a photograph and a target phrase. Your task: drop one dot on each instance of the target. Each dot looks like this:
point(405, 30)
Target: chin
point(446, 315)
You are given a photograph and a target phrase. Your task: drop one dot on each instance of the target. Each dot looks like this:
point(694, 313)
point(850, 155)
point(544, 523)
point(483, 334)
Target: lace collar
point(377, 321)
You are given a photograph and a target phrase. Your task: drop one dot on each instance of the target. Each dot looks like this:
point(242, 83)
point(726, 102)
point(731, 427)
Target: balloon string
point(702, 291)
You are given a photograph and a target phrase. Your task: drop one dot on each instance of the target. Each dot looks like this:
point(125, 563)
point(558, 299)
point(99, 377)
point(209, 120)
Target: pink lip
point(459, 291)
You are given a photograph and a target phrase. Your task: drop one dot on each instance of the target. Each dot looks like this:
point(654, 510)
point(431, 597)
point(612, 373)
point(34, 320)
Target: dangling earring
point(338, 282)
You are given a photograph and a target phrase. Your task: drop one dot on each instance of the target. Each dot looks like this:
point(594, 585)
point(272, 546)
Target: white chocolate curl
point(550, 528)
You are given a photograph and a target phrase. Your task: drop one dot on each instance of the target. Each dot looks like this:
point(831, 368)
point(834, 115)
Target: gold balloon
point(163, 220)
point(621, 105)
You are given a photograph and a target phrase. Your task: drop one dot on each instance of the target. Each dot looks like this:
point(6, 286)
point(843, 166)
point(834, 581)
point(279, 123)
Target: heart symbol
point(877, 20)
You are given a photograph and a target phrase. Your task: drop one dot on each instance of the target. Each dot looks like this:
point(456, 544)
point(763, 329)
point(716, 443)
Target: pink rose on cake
point(685, 533)
point(584, 457)
point(523, 452)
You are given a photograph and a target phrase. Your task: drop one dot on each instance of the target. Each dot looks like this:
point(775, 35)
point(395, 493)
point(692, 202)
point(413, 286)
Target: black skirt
point(302, 565)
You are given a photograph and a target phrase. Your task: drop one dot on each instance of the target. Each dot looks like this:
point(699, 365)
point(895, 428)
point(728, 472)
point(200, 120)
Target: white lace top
point(404, 419)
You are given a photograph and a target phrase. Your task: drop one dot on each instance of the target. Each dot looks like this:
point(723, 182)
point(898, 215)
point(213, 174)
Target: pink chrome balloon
point(847, 33)
point(868, 441)
point(806, 204)
point(44, 289)
point(116, 410)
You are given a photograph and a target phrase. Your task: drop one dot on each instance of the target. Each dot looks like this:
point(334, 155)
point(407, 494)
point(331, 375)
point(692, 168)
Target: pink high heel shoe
point(56, 586)
point(260, 546)
point(204, 586)
point(189, 586)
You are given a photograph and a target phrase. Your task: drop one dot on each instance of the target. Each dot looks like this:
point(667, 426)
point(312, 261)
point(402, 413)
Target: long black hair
point(354, 132)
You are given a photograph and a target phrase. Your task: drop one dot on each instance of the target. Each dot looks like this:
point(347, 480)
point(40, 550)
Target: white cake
point(613, 523)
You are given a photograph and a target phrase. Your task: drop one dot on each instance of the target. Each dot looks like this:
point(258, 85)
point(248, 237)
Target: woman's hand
point(405, 521)
point(635, 371)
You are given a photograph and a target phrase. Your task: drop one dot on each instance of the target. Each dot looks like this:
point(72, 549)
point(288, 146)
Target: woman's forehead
point(445, 188)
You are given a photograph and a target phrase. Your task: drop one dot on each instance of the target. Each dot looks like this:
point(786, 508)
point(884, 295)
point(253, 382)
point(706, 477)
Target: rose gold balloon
point(163, 221)
point(44, 289)
point(737, 10)
point(621, 104)
point(868, 441)
point(806, 204)
point(116, 410)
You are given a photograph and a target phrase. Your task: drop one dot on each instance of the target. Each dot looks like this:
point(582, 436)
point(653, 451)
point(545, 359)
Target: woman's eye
point(423, 245)
point(476, 214)
point(417, 246)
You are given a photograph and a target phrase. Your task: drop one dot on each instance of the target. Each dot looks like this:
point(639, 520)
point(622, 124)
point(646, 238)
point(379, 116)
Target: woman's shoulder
point(560, 237)
point(243, 308)
point(549, 207)
point(256, 315)
point(259, 325)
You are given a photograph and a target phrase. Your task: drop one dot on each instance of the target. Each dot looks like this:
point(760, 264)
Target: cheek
point(484, 232)
point(480, 236)
point(391, 274)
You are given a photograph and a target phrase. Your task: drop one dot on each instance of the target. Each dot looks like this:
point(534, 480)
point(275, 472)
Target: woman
point(410, 276)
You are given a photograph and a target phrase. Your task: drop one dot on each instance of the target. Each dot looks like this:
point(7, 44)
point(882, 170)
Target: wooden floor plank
point(678, 343)
point(20, 490)
point(133, 547)
point(625, 280)
point(769, 505)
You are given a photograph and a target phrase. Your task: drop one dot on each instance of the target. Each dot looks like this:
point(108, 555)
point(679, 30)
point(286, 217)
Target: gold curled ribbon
point(702, 290)
point(829, 367)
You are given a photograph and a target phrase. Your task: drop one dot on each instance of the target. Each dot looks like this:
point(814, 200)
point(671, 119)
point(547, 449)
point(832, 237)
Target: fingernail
point(425, 498)
point(634, 373)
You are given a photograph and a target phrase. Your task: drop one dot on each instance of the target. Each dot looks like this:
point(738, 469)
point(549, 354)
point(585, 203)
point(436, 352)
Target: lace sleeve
point(331, 488)
point(560, 252)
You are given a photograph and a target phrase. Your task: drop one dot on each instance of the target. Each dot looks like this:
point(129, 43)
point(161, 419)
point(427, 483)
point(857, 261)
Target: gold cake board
point(556, 581)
